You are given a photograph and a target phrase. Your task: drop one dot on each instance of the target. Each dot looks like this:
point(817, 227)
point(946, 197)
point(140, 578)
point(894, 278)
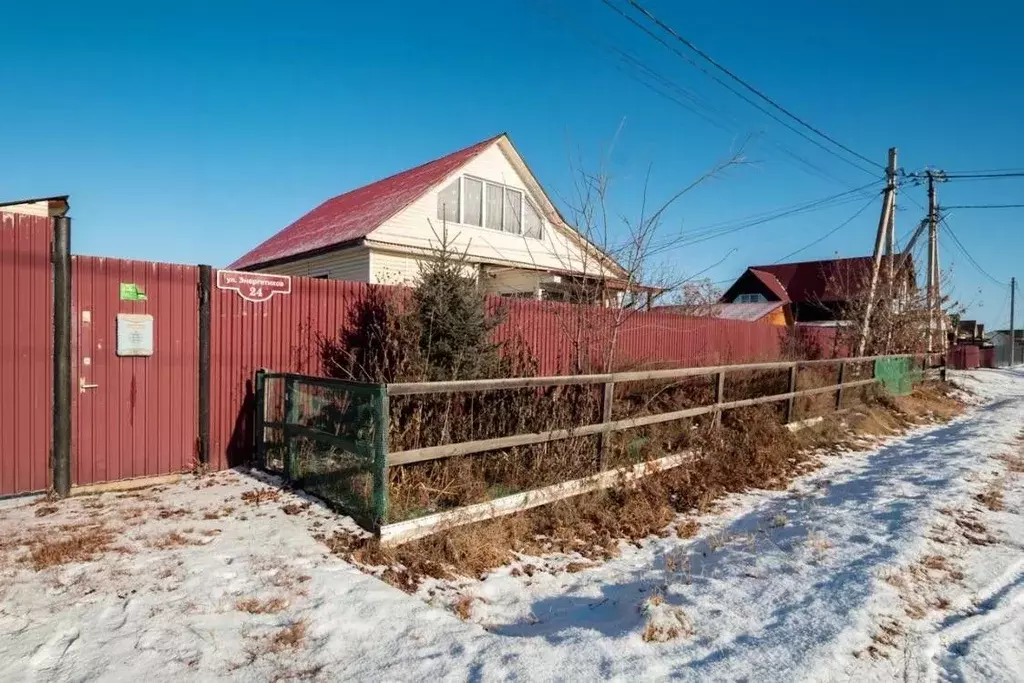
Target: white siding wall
point(395, 268)
point(351, 264)
point(412, 226)
point(513, 281)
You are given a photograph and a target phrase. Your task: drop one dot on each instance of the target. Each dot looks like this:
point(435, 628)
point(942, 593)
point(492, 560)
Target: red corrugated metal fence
point(26, 352)
point(280, 334)
point(138, 416)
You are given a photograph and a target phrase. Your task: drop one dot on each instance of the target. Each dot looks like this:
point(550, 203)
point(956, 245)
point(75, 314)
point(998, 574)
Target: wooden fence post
point(839, 391)
point(719, 397)
point(607, 399)
point(790, 403)
point(380, 458)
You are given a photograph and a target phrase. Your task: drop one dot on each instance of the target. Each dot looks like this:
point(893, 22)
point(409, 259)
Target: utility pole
point(884, 224)
point(1013, 335)
point(933, 240)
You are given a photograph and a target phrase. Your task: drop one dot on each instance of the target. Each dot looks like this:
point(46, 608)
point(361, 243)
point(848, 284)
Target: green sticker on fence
point(897, 375)
point(131, 292)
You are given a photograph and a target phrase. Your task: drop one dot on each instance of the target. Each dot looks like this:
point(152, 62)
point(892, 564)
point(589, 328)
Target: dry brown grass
point(81, 543)
point(992, 496)
point(174, 539)
point(751, 450)
point(290, 637)
point(257, 606)
point(46, 510)
point(258, 496)
point(1014, 463)
point(463, 607)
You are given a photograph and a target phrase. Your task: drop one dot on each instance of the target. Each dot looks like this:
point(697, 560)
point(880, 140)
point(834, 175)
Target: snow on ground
point(882, 565)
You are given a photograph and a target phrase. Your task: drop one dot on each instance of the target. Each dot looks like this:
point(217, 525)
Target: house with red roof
point(815, 291)
point(486, 201)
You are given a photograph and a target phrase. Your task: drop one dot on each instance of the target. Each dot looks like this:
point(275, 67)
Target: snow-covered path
point(879, 566)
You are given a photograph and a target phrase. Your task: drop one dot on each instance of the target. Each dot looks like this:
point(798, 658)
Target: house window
point(476, 202)
point(473, 211)
point(750, 299)
point(512, 219)
point(532, 224)
point(492, 219)
point(448, 203)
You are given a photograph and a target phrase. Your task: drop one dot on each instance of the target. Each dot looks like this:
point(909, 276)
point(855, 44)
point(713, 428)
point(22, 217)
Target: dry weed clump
point(257, 606)
point(290, 637)
point(664, 622)
point(992, 496)
point(46, 510)
point(81, 543)
point(174, 539)
point(259, 496)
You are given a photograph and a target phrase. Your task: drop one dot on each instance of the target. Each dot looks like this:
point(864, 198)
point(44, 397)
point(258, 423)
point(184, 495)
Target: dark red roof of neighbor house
point(772, 283)
point(357, 213)
point(829, 280)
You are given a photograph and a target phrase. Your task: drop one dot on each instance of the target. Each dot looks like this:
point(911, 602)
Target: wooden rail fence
point(404, 531)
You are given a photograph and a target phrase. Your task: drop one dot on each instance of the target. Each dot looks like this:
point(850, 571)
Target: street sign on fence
point(254, 287)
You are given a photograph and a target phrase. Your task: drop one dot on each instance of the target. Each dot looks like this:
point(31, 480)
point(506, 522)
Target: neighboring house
point(773, 312)
point(1001, 340)
point(970, 331)
point(493, 209)
point(816, 291)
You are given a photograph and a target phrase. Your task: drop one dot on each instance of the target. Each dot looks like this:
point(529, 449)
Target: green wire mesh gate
point(328, 437)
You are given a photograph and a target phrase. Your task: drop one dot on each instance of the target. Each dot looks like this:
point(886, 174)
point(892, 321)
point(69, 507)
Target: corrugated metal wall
point(140, 418)
point(26, 352)
point(137, 416)
point(281, 334)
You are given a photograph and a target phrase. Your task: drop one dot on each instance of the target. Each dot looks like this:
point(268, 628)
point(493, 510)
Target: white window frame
point(757, 298)
point(523, 198)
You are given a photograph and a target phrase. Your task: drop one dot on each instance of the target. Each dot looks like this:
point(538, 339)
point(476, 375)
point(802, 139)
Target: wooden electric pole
point(933, 241)
point(884, 225)
point(1013, 334)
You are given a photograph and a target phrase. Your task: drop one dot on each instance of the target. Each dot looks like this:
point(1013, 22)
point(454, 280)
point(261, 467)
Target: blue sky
point(191, 131)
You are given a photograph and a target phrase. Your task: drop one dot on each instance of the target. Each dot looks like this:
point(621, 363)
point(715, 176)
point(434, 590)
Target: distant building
point(773, 312)
point(815, 291)
point(1001, 340)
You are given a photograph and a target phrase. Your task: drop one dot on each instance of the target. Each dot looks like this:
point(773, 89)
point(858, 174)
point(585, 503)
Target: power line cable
point(985, 206)
point(737, 92)
point(963, 249)
point(668, 29)
point(670, 90)
point(728, 227)
point(827, 234)
point(980, 176)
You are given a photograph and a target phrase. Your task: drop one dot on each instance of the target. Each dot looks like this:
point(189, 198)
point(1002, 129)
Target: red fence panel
point(26, 352)
point(281, 334)
point(133, 416)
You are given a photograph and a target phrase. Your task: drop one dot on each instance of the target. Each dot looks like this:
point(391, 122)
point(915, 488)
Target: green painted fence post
point(290, 459)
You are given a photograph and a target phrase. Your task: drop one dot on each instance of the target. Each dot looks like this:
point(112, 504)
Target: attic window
point(448, 203)
point(750, 299)
point(533, 226)
point(473, 211)
point(513, 216)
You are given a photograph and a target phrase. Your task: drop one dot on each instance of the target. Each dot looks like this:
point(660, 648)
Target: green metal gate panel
point(897, 375)
point(328, 437)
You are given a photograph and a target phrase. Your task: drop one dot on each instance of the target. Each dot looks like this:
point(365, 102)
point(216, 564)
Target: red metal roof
point(357, 213)
point(749, 312)
point(772, 283)
point(829, 280)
